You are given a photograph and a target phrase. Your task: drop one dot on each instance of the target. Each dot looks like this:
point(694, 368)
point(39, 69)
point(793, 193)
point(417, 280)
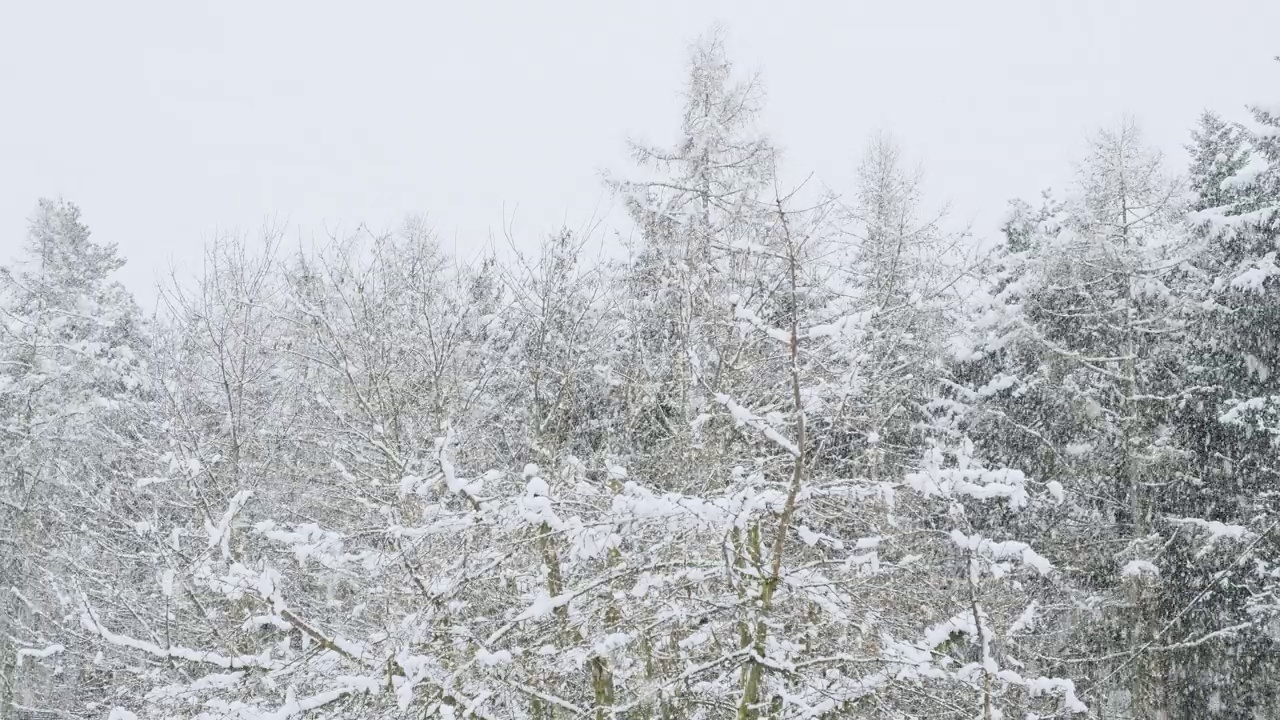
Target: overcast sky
point(170, 122)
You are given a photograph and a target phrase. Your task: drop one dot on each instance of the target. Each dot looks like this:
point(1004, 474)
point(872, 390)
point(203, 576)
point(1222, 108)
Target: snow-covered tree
point(1231, 582)
point(71, 348)
point(795, 457)
point(898, 275)
point(1075, 375)
point(564, 341)
point(700, 245)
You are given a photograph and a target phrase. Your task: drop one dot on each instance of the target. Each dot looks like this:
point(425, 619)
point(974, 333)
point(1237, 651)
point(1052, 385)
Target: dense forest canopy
point(798, 455)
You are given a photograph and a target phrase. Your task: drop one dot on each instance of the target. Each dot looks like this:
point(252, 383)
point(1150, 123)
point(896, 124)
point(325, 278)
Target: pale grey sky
point(169, 122)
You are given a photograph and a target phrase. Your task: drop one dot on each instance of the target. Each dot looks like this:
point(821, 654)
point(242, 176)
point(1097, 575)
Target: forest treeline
point(797, 455)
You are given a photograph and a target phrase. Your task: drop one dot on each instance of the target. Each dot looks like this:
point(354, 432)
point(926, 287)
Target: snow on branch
point(1061, 687)
point(38, 653)
point(89, 621)
point(1256, 413)
point(743, 416)
point(977, 483)
point(1254, 279)
point(1216, 531)
point(745, 313)
point(1139, 568)
point(845, 325)
point(1002, 550)
point(1247, 175)
point(294, 707)
point(220, 535)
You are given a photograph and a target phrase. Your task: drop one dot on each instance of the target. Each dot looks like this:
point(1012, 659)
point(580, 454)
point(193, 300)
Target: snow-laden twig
point(89, 621)
point(743, 416)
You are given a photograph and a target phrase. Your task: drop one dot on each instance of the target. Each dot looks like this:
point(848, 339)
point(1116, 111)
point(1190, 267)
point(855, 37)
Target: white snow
point(1216, 530)
point(1139, 568)
point(808, 536)
point(264, 621)
point(1026, 621)
point(493, 659)
point(1056, 491)
point(38, 653)
point(1001, 550)
point(1253, 279)
point(611, 642)
point(537, 487)
point(220, 534)
point(742, 416)
point(1248, 174)
point(542, 606)
point(977, 483)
